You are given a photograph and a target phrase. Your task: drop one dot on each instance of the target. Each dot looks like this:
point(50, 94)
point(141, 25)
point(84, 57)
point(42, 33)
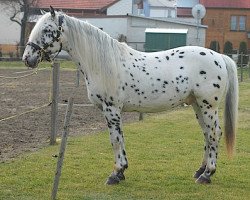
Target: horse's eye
point(45, 31)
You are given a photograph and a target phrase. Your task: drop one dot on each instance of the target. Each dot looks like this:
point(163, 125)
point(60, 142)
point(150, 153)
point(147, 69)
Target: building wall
point(218, 22)
point(134, 29)
point(138, 25)
point(9, 31)
point(187, 4)
point(122, 7)
point(162, 12)
point(114, 26)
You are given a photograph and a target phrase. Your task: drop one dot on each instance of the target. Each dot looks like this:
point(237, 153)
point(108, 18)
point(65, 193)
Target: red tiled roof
point(184, 12)
point(75, 4)
point(226, 3)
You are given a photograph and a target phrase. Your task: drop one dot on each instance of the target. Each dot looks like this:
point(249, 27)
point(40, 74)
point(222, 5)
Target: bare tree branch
point(13, 18)
point(11, 8)
point(19, 11)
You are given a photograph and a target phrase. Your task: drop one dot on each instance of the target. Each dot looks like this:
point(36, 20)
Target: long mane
point(99, 54)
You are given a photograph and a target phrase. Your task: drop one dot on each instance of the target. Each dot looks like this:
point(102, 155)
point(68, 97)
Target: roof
point(170, 20)
point(164, 30)
point(184, 12)
point(226, 3)
point(76, 4)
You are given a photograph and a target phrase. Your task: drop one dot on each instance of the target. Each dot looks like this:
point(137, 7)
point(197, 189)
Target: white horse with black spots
point(119, 78)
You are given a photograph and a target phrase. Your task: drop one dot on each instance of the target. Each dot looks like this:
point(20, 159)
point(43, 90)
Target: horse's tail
point(231, 105)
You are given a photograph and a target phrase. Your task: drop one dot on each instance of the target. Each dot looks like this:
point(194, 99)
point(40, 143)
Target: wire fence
point(10, 53)
point(243, 66)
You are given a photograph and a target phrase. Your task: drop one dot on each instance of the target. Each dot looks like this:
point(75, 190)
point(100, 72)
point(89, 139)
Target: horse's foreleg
point(113, 117)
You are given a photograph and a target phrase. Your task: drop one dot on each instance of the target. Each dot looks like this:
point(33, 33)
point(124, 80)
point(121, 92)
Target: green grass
point(163, 151)
point(245, 73)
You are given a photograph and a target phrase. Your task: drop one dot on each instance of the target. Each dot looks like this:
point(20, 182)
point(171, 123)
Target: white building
point(147, 8)
point(129, 18)
point(133, 27)
point(9, 31)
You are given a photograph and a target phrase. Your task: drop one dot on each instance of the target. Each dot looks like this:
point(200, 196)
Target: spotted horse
point(119, 78)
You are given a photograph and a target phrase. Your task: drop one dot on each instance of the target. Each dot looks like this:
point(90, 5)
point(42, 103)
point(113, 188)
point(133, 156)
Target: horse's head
point(44, 40)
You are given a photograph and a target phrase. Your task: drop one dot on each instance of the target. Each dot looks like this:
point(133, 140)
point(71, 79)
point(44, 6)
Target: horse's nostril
point(30, 62)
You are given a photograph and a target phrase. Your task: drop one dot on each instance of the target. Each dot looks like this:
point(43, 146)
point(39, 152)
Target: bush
point(243, 50)
point(11, 54)
point(228, 48)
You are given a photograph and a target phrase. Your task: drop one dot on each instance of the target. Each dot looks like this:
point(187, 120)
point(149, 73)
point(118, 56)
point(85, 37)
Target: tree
point(19, 11)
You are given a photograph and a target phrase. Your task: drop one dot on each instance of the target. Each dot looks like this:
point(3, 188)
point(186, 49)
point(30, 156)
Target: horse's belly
point(145, 108)
point(153, 105)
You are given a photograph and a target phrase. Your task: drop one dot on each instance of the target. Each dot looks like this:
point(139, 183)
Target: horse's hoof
point(113, 180)
point(121, 176)
point(199, 172)
point(203, 180)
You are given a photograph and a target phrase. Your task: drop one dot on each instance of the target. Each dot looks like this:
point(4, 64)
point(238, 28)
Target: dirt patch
point(31, 131)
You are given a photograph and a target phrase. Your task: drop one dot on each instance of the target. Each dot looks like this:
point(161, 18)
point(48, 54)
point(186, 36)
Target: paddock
point(31, 131)
point(161, 163)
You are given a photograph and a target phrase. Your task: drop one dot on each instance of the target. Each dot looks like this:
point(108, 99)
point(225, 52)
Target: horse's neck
point(74, 43)
point(95, 52)
point(83, 42)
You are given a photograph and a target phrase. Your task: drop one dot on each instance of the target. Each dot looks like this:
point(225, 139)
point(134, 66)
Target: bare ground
point(31, 131)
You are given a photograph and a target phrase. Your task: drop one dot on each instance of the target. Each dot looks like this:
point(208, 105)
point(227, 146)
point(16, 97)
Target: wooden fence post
point(241, 66)
point(62, 147)
point(77, 78)
point(54, 102)
point(248, 69)
point(64, 138)
point(141, 116)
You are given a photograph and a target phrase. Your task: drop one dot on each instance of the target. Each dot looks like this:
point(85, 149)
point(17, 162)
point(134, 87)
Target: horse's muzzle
point(31, 62)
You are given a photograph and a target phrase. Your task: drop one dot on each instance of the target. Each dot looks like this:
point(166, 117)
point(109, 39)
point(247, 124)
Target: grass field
point(163, 151)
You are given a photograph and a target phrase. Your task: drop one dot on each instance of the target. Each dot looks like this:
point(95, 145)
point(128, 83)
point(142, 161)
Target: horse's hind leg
point(200, 119)
point(212, 134)
point(113, 117)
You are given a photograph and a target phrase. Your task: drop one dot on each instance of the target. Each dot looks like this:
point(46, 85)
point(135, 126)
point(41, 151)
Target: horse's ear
point(52, 12)
point(43, 12)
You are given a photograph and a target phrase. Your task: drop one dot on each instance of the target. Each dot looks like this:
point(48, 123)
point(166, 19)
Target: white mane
point(99, 54)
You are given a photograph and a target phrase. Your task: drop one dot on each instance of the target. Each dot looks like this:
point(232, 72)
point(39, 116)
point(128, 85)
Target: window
point(238, 23)
point(242, 23)
point(233, 23)
point(173, 13)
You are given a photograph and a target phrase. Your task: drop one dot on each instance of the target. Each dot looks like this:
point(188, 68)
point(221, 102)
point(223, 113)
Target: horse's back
point(161, 80)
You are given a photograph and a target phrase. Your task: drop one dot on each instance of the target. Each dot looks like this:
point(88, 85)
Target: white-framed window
point(233, 23)
point(242, 23)
point(238, 23)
